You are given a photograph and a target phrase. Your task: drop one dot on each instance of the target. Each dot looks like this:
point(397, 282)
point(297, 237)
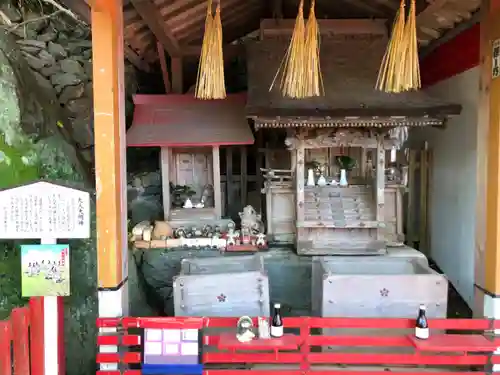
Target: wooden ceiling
point(178, 24)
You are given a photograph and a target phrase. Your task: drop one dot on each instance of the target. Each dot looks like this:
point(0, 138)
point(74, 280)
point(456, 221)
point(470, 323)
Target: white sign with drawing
point(44, 210)
point(495, 67)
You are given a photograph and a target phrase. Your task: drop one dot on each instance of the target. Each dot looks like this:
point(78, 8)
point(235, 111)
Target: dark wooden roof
point(178, 24)
point(183, 121)
point(349, 65)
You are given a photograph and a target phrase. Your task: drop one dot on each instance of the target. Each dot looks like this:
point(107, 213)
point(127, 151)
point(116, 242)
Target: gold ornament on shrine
point(210, 83)
point(300, 68)
point(400, 69)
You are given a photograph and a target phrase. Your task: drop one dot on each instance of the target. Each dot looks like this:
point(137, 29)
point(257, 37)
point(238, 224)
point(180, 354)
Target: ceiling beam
point(176, 6)
point(152, 17)
point(450, 34)
point(272, 27)
point(238, 26)
point(135, 59)
point(394, 5)
point(241, 12)
point(370, 8)
point(430, 9)
point(197, 15)
point(229, 50)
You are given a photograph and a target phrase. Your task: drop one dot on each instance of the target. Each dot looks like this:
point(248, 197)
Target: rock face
point(289, 277)
point(144, 192)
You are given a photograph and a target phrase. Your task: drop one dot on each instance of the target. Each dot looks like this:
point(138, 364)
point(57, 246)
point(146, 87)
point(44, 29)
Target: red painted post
point(20, 332)
point(60, 338)
point(305, 332)
point(5, 349)
point(36, 336)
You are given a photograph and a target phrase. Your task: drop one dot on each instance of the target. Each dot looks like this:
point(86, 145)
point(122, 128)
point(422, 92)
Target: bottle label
point(276, 331)
point(421, 333)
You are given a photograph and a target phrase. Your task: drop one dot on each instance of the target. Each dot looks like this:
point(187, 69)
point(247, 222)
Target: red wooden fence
point(456, 354)
point(21, 341)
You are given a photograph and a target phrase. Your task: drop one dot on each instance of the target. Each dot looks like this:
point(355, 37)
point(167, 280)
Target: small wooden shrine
point(189, 133)
point(339, 195)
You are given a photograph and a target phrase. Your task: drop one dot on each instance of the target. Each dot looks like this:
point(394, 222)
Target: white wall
point(453, 183)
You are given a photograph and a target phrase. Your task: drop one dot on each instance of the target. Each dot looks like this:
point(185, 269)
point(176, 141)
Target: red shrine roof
point(183, 121)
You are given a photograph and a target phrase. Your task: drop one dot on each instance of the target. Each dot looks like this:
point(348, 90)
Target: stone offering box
point(378, 287)
point(230, 286)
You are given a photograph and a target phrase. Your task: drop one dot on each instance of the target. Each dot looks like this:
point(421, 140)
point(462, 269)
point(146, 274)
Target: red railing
point(21, 341)
point(378, 351)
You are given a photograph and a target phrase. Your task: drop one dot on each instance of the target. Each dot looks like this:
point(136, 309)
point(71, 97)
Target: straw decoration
point(411, 79)
point(313, 77)
point(210, 82)
point(392, 67)
point(292, 65)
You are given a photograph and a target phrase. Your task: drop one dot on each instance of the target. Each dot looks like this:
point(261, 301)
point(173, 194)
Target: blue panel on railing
point(172, 369)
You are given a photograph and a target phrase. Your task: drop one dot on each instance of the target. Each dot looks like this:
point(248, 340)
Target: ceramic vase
point(310, 178)
point(343, 178)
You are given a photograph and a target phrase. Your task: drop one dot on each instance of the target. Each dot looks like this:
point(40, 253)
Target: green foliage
point(17, 164)
point(346, 162)
point(9, 281)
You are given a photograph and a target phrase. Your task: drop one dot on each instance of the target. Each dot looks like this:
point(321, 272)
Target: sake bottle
point(277, 322)
point(421, 325)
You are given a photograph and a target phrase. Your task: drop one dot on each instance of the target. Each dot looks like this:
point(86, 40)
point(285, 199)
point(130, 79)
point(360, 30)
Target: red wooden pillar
point(109, 130)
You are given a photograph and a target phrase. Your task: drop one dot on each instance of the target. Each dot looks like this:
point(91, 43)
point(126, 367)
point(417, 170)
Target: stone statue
point(251, 220)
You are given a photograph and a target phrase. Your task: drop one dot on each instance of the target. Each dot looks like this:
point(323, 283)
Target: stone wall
point(58, 51)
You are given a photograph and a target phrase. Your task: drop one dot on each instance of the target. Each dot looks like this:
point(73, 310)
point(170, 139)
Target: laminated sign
point(44, 210)
point(495, 66)
point(45, 270)
point(171, 347)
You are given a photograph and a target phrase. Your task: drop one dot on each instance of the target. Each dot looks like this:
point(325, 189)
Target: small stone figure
point(196, 232)
point(261, 240)
point(208, 231)
point(180, 233)
point(251, 220)
point(245, 236)
point(231, 238)
point(231, 226)
point(217, 231)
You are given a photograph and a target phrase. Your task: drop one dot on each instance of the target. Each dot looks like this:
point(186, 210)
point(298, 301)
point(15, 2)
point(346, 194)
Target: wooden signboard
point(44, 210)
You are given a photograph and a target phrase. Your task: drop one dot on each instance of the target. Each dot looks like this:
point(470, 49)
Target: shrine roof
point(183, 121)
point(350, 65)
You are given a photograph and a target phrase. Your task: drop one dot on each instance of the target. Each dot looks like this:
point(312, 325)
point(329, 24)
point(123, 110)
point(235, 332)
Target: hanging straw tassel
point(313, 85)
point(411, 78)
point(210, 82)
point(219, 90)
point(391, 68)
point(292, 65)
point(201, 84)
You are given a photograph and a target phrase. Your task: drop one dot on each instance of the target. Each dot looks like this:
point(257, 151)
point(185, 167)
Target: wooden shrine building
point(189, 133)
point(134, 29)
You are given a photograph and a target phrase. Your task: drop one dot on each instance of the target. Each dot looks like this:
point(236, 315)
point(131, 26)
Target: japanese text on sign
point(44, 210)
point(496, 59)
